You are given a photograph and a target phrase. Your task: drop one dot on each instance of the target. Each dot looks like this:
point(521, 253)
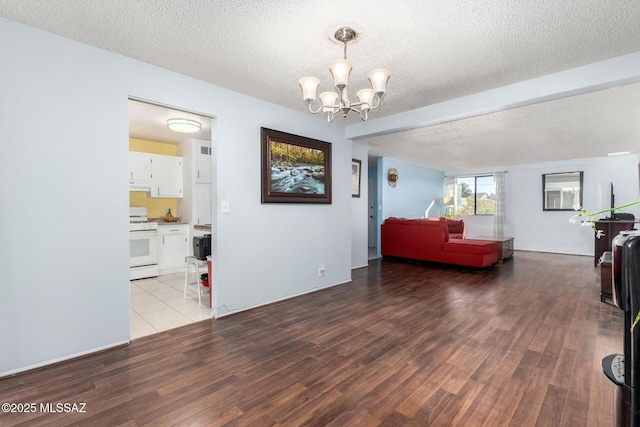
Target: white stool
point(195, 263)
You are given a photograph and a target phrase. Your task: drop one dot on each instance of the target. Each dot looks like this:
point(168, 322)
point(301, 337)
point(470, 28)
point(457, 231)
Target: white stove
point(143, 244)
point(139, 220)
point(143, 226)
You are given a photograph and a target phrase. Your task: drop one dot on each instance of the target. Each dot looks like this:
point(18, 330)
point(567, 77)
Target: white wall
point(360, 211)
point(64, 288)
point(548, 231)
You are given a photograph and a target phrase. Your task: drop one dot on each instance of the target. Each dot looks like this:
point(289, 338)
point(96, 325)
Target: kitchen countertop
point(160, 221)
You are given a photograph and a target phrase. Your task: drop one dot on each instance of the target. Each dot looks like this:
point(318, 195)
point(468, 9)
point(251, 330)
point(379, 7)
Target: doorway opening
point(372, 209)
point(171, 194)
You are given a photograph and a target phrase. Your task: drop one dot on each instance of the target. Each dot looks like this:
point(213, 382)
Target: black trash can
point(202, 246)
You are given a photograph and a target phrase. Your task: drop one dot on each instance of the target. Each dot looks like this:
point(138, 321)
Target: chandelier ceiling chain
point(334, 103)
point(345, 49)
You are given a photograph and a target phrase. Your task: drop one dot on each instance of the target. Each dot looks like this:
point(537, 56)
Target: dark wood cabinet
point(611, 229)
point(505, 245)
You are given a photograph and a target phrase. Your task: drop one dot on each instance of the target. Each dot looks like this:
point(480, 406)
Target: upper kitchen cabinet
point(139, 166)
point(166, 179)
point(157, 174)
point(202, 162)
point(195, 206)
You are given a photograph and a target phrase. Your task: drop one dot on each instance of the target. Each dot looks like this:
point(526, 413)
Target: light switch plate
point(225, 206)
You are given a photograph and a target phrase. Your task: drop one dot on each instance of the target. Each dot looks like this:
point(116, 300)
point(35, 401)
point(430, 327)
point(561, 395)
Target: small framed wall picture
point(355, 177)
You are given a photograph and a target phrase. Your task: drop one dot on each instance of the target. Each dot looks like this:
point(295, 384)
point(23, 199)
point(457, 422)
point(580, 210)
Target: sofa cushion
point(409, 221)
point(465, 246)
point(455, 226)
point(395, 220)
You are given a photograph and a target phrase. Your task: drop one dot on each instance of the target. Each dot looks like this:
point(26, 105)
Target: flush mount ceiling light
point(184, 125)
point(334, 103)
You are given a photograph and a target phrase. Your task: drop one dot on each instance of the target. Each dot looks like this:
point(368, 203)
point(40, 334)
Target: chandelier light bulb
point(366, 97)
point(340, 70)
point(309, 86)
point(378, 79)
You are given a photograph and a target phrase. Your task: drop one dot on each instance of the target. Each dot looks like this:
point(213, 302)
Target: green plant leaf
point(635, 322)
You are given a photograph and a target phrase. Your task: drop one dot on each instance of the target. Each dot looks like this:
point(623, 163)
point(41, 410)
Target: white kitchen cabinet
point(139, 166)
point(173, 247)
point(195, 206)
point(163, 174)
point(202, 162)
point(166, 178)
point(201, 204)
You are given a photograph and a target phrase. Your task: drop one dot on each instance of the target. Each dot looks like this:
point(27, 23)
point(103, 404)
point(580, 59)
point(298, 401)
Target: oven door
point(143, 248)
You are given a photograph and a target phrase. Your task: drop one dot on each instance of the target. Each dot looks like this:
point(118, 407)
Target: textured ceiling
point(149, 122)
point(436, 51)
point(589, 125)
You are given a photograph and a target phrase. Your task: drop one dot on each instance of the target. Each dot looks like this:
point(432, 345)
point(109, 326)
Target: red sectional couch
point(428, 240)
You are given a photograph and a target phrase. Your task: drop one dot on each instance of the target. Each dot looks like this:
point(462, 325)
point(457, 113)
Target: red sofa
point(428, 240)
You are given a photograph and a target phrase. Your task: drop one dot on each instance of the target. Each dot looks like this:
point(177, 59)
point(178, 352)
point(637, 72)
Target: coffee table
point(505, 245)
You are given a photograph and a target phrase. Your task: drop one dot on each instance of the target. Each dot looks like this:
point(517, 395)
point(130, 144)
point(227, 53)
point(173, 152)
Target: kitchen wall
point(156, 207)
point(64, 276)
point(152, 147)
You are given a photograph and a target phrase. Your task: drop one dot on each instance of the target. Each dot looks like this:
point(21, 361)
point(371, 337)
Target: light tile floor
point(157, 304)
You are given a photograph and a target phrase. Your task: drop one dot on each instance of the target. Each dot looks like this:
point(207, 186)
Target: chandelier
point(334, 103)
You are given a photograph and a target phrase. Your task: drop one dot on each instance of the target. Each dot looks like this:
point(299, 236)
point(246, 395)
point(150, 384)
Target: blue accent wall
point(416, 188)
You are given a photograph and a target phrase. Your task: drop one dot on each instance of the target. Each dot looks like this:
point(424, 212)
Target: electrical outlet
point(321, 271)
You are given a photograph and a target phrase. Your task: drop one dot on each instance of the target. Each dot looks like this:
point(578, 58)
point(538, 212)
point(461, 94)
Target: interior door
point(372, 217)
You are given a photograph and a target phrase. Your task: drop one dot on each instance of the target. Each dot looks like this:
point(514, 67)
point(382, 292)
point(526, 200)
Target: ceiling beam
point(614, 72)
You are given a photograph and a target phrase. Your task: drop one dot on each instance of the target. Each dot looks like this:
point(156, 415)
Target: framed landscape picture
point(356, 165)
point(294, 169)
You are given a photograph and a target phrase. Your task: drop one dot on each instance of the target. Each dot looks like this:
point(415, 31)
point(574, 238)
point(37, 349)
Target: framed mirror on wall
point(561, 191)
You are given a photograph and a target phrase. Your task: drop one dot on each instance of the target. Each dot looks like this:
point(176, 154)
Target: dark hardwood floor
point(519, 344)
